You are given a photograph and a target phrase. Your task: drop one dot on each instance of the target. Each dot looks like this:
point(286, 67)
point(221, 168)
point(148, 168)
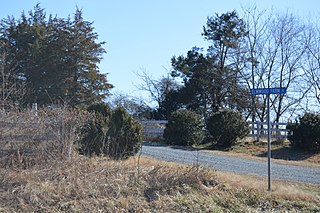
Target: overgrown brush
point(36, 139)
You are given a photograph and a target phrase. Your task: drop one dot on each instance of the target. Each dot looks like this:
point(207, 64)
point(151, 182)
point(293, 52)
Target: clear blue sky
point(145, 34)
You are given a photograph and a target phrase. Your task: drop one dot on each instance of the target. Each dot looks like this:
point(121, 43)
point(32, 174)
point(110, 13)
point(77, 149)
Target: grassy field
point(95, 184)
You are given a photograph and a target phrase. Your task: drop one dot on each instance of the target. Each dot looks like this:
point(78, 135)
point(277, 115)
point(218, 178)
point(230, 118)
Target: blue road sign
point(266, 91)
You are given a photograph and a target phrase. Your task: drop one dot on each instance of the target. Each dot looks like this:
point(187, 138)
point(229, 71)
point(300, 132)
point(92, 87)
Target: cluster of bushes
point(113, 133)
point(304, 133)
point(221, 129)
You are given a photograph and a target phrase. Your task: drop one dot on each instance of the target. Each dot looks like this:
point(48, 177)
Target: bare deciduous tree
point(311, 65)
point(275, 49)
point(134, 106)
point(156, 88)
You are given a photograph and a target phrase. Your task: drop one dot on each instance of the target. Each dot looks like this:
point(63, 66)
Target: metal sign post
point(268, 91)
point(269, 144)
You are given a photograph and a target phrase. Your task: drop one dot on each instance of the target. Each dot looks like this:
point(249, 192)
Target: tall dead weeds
point(30, 139)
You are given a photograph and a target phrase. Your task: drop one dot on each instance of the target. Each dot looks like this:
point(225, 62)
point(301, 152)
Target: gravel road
point(231, 164)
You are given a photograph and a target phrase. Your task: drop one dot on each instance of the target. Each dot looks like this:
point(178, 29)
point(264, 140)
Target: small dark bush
point(94, 133)
point(125, 135)
point(112, 133)
point(305, 133)
point(184, 128)
point(225, 127)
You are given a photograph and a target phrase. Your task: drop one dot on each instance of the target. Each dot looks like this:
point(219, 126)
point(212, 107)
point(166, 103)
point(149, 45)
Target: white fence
point(153, 128)
point(260, 130)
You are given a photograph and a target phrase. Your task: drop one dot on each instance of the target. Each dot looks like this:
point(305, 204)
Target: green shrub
point(111, 132)
point(225, 127)
point(305, 133)
point(94, 133)
point(125, 135)
point(184, 128)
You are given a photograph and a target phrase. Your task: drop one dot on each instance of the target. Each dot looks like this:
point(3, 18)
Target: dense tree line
point(50, 60)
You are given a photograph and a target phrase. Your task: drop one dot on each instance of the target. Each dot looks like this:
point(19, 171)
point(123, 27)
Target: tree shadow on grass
point(288, 153)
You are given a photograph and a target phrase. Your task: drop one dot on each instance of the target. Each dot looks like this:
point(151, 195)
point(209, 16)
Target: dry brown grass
point(282, 190)
point(281, 152)
point(95, 184)
point(57, 179)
